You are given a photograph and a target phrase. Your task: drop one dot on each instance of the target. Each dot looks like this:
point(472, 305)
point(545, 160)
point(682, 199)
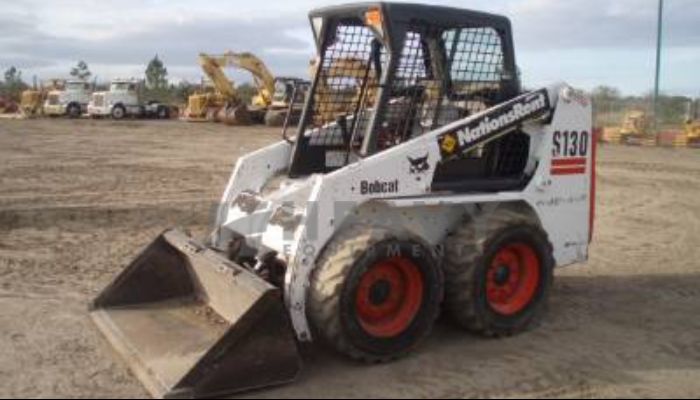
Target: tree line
point(155, 83)
point(610, 105)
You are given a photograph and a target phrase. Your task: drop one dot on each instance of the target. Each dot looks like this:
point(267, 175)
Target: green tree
point(81, 71)
point(13, 85)
point(607, 105)
point(156, 74)
point(157, 87)
point(672, 109)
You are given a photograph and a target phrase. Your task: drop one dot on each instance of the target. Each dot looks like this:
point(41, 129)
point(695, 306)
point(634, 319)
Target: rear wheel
point(74, 111)
point(498, 272)
point(118, 112)
point(163, 112)
point(375, 294)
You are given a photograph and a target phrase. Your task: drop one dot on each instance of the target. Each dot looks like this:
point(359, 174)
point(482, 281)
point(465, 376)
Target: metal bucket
point(190, 323)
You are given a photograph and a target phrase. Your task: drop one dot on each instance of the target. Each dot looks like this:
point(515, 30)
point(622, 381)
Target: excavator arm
point(264, 80)
point(213, 67)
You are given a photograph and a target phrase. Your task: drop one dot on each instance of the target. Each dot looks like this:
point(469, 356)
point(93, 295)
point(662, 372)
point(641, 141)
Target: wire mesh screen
point(443, 74)
point(346, 87)
point(410, 100)
point(476, 66)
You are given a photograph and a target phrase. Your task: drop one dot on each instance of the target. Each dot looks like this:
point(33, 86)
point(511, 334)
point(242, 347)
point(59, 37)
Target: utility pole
point(659, 44)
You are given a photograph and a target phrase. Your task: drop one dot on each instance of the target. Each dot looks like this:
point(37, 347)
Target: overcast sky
point(583, 42)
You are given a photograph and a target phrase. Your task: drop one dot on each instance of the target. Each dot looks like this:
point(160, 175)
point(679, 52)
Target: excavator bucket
point(190, 323)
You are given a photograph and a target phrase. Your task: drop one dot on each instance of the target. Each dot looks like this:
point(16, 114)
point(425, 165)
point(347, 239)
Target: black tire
point(74, 111)
point(333, 307)
point(118, 112)
point(469, 259)
point(163, 113)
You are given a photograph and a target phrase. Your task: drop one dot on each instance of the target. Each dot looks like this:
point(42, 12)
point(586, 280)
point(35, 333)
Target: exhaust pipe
point(190, 323)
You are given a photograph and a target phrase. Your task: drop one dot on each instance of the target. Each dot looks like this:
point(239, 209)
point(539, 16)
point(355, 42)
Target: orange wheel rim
point(389, 297)
point(512, 279)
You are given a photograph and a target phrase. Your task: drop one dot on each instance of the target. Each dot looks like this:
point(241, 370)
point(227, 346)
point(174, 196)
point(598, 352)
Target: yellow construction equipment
point(635, 130)
point(274, 98)
point(691, 129)
point(223, 103)
point(262, 78)
point(32, 100)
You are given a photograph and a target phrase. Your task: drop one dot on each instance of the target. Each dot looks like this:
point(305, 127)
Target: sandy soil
point(78, 199)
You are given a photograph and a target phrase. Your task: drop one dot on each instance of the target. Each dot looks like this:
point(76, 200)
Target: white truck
point(123, 100)
point(71, 100)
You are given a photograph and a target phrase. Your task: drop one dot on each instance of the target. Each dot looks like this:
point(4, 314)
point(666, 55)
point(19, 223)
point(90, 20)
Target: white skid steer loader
point(423, 180)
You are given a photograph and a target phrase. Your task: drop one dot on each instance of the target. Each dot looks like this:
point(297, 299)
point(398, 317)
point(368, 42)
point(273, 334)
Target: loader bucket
point(190, 323)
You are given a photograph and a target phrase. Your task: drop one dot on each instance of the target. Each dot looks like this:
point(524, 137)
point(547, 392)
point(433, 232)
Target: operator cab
point(286, 88)
point(388, 72)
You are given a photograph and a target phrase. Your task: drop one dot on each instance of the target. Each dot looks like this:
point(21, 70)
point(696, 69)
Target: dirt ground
point(78, 199)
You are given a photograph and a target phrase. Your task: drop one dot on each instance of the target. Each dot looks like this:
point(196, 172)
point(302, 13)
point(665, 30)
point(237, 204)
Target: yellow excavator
point(691, 129)
point(32, 100)
point(276, 98)
point(222, 102)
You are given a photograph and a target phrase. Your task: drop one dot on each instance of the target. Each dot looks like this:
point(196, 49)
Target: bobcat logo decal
point(419, 165)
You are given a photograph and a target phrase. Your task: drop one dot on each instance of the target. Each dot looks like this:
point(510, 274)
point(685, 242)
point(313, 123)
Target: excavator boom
point(213, 68)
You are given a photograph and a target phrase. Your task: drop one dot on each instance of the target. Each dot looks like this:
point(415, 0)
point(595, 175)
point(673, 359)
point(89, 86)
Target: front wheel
point(499, 272)
point(375, 294)
point(118, 112)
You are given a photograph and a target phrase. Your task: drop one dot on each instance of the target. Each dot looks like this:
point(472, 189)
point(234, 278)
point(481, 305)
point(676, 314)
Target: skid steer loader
point(446, 189)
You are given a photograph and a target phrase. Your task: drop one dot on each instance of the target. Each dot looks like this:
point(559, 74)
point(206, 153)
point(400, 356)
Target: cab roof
point(403, 13)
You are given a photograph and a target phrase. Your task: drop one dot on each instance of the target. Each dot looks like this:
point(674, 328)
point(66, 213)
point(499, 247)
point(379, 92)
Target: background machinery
point(32, 100)
point(123, 100)
point(440, 186)
point(7, 105)
point(636, 129)
point(691, 128)
point(271, 104)
point(221, 102)
point(68, 98)
point(287, 101)
point(277, 96)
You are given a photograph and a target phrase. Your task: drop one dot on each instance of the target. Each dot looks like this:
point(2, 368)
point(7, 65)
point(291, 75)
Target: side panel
point(562, 191)
point(250, 173)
